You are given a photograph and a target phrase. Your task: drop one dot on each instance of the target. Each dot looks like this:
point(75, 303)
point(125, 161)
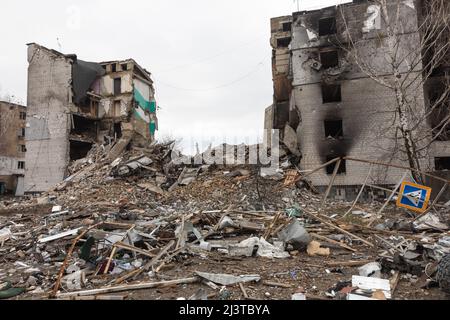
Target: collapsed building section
point(327, 107)
point(74, 104)
point(12, 147)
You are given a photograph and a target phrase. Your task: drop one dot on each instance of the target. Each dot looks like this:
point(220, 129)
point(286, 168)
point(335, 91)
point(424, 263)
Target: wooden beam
point(342, 245)
point(139, 286)
point(333, 178)
point(361, 191)
point(399, 167)
point(392, 195)
point(338, 228)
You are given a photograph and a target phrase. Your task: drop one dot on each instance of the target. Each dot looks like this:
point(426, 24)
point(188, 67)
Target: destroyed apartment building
point(329, 103)
point(74, 104)
point(12, 147)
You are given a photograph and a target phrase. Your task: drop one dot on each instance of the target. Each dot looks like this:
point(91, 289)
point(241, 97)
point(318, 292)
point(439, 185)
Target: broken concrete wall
point(49, 99)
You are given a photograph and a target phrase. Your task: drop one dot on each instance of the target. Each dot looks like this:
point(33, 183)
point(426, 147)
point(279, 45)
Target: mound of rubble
point(139, 226)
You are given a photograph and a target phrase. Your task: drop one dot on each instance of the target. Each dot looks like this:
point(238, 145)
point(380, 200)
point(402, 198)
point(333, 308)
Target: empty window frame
point(330, 168)
point(287, 26)
point(117, 86)
point(23, 115)
point(114, 68)
point(442, 163)
point(327, 26)
point(331, 93)
point(284, 42)
point(329, 59)
point(124, 67)
point(21, 148)
point(21, 133)
point(334, 129)
point(21, 165)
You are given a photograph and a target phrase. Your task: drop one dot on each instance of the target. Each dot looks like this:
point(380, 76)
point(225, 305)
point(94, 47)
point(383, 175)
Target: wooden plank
point(244, 292)
point(122, 245)
point(60, 236)
point(361, 191)
point(139, 286)
point(399, 167)
point(391, 196)
point(318, 169)
point(277, 284)
point(347, 263)
point(113, 253)
point(338, 228)
point(342, 245)
point(330, 185)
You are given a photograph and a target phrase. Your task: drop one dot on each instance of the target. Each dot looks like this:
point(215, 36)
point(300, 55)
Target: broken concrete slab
point(226, 279)
point(295, 234)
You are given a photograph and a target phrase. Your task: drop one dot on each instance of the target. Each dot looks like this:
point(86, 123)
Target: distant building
point(12, 148)
point(73, 104)
point(326, 106)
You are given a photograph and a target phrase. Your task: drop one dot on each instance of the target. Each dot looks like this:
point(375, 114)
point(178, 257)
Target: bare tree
point(413, 38)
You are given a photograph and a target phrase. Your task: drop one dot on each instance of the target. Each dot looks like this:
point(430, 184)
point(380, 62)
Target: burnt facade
point(12, 147)
point(329, 107)
point(74, 104)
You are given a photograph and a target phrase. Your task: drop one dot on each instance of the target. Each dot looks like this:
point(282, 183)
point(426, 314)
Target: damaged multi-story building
point(74, 104)
point(12, 147)
point(326, 107)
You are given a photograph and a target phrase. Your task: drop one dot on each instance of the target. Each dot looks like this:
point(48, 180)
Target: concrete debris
point(295, 234)
point(5, 235)
point(430, 221)
point(113, 225)
point(226, 279)
point(263, 249)
point(372, 269)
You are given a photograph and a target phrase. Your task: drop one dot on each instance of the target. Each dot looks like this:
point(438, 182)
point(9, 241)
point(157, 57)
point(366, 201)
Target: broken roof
point(144, 71)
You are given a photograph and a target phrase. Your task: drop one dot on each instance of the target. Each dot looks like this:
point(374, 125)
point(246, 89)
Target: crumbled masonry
point(113, 230)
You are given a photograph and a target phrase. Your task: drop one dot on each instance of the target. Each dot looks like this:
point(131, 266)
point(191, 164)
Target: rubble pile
point(141, 226)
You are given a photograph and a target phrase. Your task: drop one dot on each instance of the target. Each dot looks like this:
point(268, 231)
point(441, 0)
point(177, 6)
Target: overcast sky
point(210, 60)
